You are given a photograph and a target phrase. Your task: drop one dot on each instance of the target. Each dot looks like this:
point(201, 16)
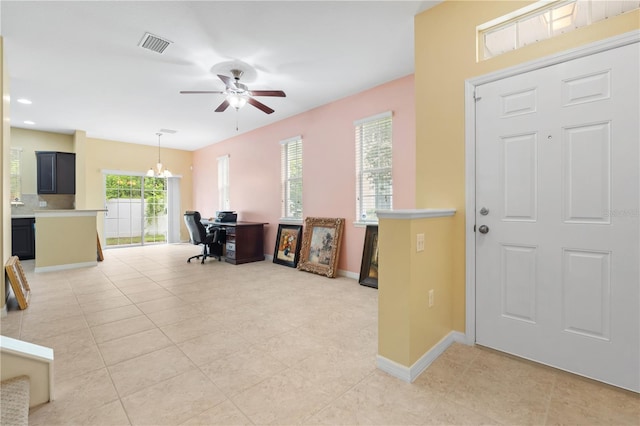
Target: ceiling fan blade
point(189, 92)
point(260, 105)
point(278, 93)
point(228, 81)
point(224, 105)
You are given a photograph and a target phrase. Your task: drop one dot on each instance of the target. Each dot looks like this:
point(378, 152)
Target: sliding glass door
point(136, 210)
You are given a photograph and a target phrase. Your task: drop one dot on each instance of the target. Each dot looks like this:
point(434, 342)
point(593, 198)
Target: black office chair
point(199, 235)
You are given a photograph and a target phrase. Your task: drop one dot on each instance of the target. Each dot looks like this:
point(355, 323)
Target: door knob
point(483, 229)
point(484, 211)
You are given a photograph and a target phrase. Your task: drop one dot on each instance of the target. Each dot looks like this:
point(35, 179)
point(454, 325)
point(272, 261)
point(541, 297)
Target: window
point(374, 187)
point(15, 173)
point(137, 209)
point(223, 183)
point(291, 175)
point(544, 20)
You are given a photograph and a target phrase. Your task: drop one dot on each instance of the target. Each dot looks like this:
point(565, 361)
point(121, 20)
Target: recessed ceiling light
point(25, 101)
point(29, 122)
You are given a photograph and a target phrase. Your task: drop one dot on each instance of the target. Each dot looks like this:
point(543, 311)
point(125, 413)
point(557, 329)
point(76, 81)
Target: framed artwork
point(321, 245)
point(369, 267)
point(287, 250)
point(18, 281)
point(100, 255)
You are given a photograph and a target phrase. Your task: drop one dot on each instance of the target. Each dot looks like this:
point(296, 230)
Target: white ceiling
point(80, 64)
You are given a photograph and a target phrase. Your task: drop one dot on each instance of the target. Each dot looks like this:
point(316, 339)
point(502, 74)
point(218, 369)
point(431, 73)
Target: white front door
point(557, 188)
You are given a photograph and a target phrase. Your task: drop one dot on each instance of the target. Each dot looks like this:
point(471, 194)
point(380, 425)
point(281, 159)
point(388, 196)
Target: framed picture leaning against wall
point(369, 267)
point(287, 250)
point(321, 245)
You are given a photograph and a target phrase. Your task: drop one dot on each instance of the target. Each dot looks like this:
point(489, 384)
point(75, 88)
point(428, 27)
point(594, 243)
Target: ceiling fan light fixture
point(237, 100)
point(238, 94)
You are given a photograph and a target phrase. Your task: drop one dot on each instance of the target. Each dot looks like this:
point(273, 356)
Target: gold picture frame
point(18, 281)
point(321, 245)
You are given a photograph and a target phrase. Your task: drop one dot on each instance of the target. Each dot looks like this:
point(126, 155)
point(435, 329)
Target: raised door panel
point(66, 173)
point(46, 164)
point(22, 239)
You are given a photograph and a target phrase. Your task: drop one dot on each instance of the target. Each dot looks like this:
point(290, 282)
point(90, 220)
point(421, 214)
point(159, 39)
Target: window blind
point(223, 183)
point(291, 177)
point(15, 174)
point(374, 185)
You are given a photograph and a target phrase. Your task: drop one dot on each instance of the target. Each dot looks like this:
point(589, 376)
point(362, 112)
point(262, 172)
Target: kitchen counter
point(66, 239)
point(66, 212)
point(23, 216)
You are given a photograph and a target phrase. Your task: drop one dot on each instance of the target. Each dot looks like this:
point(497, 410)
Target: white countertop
point(67, 212)
point(414, 213)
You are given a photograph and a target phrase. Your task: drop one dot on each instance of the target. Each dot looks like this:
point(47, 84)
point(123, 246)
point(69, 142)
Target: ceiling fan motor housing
point(237, 74)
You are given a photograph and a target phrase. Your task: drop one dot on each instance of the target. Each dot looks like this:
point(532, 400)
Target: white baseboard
point(348, 274)
point(409, 374)
point(4, 311)
point(63, 267)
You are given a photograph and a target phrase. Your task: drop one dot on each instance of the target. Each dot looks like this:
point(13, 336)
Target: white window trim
point(387, 114)
point(19, 150)
point(224, 188)
point(531, 10)
point(289, 219)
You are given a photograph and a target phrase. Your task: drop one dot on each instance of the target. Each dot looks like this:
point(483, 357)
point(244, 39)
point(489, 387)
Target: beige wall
point(31, 141)
point(101, 154)
point(95, 155)
point(5, 191)
point(80, 148)
point(394, 285)
point(407, 326)
point(445, 56)
point(77, 235)
point(12, 365)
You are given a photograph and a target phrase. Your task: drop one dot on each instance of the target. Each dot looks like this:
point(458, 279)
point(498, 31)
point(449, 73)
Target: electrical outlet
point(420, 242)
point(42, 204)
point(431, 298)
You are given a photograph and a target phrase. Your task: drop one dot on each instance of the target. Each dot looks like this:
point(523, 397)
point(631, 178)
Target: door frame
point(470, 151)
point(173, 204)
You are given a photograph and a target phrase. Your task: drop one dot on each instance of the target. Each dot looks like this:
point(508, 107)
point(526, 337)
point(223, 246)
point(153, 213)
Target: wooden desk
point(245, 241)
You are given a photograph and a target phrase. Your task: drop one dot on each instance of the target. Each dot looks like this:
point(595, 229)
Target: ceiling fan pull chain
point(237, 111)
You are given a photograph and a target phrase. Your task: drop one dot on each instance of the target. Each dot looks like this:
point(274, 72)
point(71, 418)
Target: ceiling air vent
point(154, 43)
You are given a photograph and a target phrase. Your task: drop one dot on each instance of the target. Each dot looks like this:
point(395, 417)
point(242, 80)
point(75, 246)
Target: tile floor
point(145, 338)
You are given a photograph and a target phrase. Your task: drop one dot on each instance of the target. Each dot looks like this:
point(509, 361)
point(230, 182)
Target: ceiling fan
point(238, 94)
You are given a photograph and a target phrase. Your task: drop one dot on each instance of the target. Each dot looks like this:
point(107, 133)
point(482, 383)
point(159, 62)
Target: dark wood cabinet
point(245, 242)
point(23, 238)
point(56, 172)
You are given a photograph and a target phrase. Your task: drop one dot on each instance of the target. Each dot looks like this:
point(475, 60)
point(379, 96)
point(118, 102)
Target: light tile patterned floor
point(145, 338)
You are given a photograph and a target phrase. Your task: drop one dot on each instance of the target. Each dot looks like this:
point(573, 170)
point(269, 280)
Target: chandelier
point(159, 172)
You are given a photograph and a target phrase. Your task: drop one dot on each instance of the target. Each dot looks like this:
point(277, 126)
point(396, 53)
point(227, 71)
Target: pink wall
point(328, 165)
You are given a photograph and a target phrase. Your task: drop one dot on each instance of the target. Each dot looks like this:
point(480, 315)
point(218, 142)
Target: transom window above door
point(543, 20)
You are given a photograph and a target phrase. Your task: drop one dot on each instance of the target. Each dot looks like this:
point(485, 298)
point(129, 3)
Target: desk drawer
point(231, 254)
point(231, 246)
